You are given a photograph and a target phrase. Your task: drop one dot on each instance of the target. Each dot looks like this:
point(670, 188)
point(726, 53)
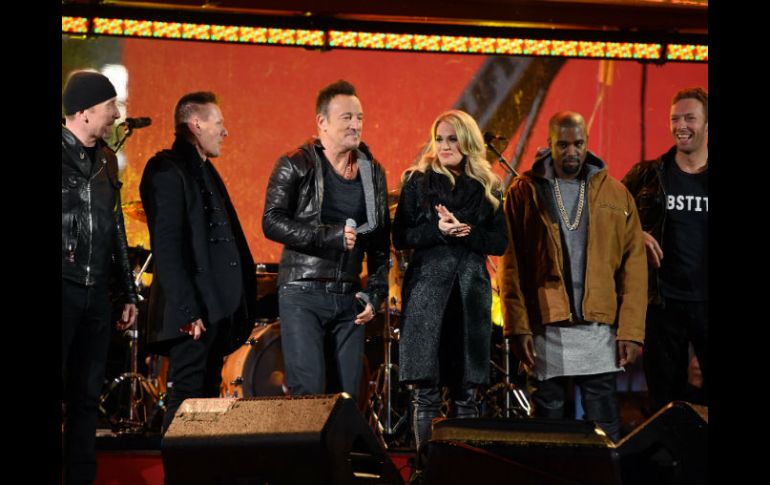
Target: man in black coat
point(326, 202)
point(93, 236)
point(205, 285)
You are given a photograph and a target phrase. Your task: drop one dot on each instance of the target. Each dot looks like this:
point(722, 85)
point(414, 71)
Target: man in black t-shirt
point(671, 194)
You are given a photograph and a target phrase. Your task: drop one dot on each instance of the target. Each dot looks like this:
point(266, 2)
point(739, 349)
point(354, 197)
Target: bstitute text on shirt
point(690, 203)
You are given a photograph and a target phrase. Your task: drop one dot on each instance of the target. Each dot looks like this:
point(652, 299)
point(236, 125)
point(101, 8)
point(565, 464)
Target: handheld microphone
point(135, 123)
point(344, 259)
point(490, 137)
point(351, 223)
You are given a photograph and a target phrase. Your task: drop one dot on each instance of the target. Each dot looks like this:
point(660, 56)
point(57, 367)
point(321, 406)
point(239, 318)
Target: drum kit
point(134, 402)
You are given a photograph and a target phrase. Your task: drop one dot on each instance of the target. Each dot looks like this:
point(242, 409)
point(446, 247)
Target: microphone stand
point(127, 132)
point(521, 398)
point(502, 160)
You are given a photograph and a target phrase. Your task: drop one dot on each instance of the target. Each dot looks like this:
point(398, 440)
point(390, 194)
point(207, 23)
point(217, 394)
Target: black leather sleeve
point(281, 199)
point(378, 247)
point(121, 254)
point(632, 179)
point(120, 247)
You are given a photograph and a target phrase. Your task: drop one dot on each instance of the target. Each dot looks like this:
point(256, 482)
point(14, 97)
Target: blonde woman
point(450, 214)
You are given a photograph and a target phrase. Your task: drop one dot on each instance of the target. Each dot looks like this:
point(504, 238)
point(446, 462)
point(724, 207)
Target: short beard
point(570, 170)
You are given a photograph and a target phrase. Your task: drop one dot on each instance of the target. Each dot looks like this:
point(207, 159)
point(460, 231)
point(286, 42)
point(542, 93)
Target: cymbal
point(134, 210)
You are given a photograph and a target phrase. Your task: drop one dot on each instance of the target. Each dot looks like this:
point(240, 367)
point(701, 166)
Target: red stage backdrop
point(268, 101)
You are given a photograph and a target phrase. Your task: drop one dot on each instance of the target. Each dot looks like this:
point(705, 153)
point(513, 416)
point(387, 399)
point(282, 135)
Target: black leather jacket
point(645, 183)
point(93, 233)
point(313, 250)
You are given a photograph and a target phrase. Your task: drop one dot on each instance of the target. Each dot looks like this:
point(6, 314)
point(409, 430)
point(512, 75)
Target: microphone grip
point(351, 223)
point(344, 259)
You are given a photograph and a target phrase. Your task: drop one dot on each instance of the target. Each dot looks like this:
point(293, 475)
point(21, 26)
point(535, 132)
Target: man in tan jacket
point(574, 277)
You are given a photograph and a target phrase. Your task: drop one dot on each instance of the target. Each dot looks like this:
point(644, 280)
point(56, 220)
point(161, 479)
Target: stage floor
point(136, 459)
point(145, 467)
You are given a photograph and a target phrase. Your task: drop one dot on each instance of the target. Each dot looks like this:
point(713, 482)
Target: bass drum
point(256, 369)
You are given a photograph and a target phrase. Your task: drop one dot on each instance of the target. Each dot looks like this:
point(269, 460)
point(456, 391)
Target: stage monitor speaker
point(669, 448)
point(275, 440)
point(534, 451)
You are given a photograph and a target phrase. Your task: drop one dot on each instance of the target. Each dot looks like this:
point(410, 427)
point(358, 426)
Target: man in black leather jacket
point(93, 238)
point(671, 193)
point(205, 288)
point(326, 202)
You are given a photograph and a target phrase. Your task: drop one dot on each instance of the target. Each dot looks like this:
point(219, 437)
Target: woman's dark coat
point(437, 262)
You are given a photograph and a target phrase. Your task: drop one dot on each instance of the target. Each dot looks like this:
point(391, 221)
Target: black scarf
point(464, 200)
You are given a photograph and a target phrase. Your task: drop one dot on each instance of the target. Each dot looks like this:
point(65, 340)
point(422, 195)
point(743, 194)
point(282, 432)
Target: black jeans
point(85, 332)
point(670, 329)
point(598, 397)
point(317, 323)
point(195, 366)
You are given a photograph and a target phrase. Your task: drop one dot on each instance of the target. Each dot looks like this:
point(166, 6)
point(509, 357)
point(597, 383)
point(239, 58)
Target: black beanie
point(85, 89)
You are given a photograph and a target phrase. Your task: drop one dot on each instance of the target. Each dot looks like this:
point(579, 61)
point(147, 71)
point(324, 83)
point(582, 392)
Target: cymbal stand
point(507, 377)
point(391, 334)
point(381, 406)
point(385, 419)
point(138, 279)
point(522, 408)
point(140, 388)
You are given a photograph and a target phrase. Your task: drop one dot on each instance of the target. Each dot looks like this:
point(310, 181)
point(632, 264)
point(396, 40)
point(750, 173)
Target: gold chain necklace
point(560, 204)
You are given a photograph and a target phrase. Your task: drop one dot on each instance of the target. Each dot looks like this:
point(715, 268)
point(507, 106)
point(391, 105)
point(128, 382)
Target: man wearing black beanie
point(93, 235)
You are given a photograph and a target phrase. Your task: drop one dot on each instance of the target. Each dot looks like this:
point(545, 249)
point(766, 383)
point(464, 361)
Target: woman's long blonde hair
point(471, 145)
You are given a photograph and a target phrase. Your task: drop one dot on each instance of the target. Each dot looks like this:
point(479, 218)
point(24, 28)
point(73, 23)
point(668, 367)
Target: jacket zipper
point(319, 190)
point(90, 233)
point(559, 254)
point(90, 226)
point(589, 239)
